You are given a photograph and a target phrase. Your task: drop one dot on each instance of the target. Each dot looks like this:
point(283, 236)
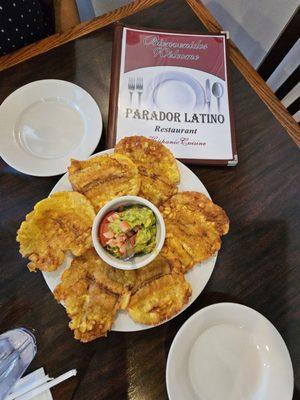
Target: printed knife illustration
point(207, 94)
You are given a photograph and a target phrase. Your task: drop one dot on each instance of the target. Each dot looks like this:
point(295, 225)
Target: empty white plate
point(45, 123)
point(229, 351)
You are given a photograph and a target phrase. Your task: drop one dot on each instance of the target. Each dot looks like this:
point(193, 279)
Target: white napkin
point(36, 386)
point(27, 381)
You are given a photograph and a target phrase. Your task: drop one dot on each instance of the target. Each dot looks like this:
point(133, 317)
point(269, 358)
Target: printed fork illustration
point(139, 88)
point(131, 87)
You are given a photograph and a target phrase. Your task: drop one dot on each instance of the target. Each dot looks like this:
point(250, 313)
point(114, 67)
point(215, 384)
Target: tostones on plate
point(194, 226)
point(102, 178)
point(160, 299)
point(159, 293)
point(60, 223)
point(156, 164)
point(93, 292)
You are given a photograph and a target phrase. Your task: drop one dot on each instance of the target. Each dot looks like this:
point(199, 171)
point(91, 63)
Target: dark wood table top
point(258, 264)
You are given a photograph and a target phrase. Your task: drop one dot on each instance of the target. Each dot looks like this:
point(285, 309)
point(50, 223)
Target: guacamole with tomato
point(128, 231)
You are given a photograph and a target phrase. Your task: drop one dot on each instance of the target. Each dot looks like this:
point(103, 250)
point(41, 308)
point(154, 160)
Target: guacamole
point(129, 231)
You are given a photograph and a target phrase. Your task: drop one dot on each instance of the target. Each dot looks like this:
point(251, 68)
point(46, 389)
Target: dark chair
point(285, 42)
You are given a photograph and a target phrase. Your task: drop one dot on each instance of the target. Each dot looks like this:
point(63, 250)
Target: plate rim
point(61, 82)
point(231, 305)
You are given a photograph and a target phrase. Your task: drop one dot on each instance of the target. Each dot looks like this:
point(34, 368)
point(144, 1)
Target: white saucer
point(45, 123)
point(229, 351)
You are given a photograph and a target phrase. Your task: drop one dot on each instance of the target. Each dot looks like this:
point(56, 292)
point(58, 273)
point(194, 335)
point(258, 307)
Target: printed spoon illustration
point(217, 90)
point(207, 94)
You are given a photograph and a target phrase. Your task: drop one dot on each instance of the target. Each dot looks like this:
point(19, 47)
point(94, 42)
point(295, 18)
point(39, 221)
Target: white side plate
point(229, 351)
point(45, 123)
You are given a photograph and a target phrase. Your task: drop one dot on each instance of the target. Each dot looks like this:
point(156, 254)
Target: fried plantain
point(156, 164)
point(93, 292)
point(106, 275)
point(194, 225)
point(103, 178)
point(160, 299)
point(158, 267)
point(59, 223)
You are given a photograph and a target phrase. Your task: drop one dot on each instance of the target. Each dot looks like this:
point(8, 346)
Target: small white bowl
point(137, 261)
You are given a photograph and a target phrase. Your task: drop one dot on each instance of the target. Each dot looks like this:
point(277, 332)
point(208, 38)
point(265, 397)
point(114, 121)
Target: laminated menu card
point(173, 88)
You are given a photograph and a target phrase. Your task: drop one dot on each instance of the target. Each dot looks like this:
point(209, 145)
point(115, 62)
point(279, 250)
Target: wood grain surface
point(258, 264)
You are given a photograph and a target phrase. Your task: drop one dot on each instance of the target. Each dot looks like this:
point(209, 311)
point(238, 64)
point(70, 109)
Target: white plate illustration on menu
point(175, 90)
point(229, 351)
point(47, 122)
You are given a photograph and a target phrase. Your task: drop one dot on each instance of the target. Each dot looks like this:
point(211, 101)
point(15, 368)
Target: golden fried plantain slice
point(191, 244)
point(110, 277)
point(103, 178)
point(194, 225)
point(156, 164)
point(160, 299)
point(158, 267)
point(57, 224)
point(92, 293)
point(156, 190)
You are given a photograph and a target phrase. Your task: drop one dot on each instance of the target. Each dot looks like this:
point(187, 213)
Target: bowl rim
point(130, 264)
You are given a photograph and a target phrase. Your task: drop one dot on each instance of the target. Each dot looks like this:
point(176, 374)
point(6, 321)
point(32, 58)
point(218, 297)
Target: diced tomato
point(108, 215)
point(121, 236)
point(132, 240)
point(124, 225)
point(108, 235)
point(112, 216)
point(123, 249)
point(104, 228)
point(113, 243)
point(116, 242)
point(124, 241)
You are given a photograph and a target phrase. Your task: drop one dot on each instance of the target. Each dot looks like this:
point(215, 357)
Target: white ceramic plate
point(229, 351)
point(45, 123)
point(197, 277)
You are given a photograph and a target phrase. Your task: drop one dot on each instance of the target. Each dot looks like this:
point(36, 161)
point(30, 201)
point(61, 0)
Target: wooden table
point(259, 262)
